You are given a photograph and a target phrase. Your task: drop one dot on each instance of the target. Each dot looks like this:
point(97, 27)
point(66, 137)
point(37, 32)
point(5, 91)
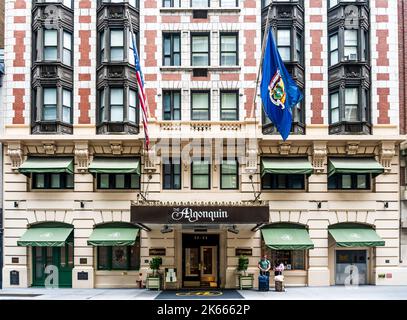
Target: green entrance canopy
point(287, 238)
point(47, 165)
point(45, 237)
point(115, 165)
point(354, 165)
point(356, 236)
point(286, 166)
point(113, 237)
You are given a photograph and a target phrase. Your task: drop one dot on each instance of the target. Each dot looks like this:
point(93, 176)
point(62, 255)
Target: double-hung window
point(200, 3)
point(172, 174)
point(67, 106)
point(349, 182)
point(351, 104)
point(284, 43)
point(229, 3)
point(200, 105)
point(333, 49)
point(171, 49)
point(201, 174)
point(229, 174)
point(67, 49)
point(116, 45)
point(171, 3)
point(52, 181)
point(200, 50)
point(119, 181)
point(171, 105)
point(132, 116)
point(116, 104)
point(50, 44)
point(350, 50)
point(229, 49)
point(50, 104)
point(229, 105)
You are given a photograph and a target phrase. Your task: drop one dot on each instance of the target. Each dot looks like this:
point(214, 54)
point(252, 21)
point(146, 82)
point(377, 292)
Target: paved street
point(309, 293)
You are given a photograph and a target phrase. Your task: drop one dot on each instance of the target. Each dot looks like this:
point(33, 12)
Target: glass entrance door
point(351, 267)
point(208, 265)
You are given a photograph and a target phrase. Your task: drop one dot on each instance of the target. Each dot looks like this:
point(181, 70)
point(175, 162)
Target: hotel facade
point(86, 202)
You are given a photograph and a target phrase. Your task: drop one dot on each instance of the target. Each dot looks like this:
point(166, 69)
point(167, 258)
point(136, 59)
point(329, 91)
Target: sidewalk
point(303, 293)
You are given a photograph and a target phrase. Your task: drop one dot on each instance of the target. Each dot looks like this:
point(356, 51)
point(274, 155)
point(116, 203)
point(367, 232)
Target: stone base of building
point(318, 277)
point(391, 276)
point(83, 278)
point(15, 277)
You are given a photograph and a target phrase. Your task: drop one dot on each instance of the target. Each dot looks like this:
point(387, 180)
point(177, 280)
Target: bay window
point(50, 44)
point(116, 104)
point(66, 106)
point(284, 43)
point(116, 45)
point(50, 104)
point(67, 49)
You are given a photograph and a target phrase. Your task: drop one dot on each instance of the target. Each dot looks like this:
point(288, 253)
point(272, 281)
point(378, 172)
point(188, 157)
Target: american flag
point(141, 91)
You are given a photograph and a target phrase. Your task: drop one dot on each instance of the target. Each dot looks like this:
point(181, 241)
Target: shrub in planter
point(243, 264)
point(155, 264)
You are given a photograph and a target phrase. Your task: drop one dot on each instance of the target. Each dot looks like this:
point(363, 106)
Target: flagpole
point(263, 49)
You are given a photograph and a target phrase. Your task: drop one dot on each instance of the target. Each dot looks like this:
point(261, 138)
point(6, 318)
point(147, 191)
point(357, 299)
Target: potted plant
point(245, 281)
point(154, 280)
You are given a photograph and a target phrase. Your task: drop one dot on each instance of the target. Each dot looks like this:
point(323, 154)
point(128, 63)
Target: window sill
point(52, 190)
point(209, 9)
point(191, 68)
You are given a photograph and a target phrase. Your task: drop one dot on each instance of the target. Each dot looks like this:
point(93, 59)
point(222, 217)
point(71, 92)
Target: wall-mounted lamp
point(16, 204)
point(386, 204)
point(233, 229)
point(166, 229)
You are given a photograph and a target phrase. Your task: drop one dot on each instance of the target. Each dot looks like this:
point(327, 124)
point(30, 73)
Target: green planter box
point(246, 282)
point(153, 283)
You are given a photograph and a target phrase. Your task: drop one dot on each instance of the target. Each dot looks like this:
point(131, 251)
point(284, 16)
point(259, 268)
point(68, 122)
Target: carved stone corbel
point(319, 156)
point(15, 152)
point(82, 156)
point(49, 147)
point(116, 147)
point(352, 148)
point(387, 152)
point(284, 148)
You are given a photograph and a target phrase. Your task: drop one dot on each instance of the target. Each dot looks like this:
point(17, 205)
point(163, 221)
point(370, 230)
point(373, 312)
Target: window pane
point(134, 181)
point(116, 96)
point(351, 113)
point(229, 100)
point(334, 108)
point(333, 40)
point(104, 181)
point(229, 182)
point(69, 181)
point(200, 43)
point(120, 181)
point(55, 180)
point(50, 38)
point(346, 181)
point(200, 59)
point(200, 101)
point(351, 96)
point(135, 256)
point(228, 43)
point(351, 37)
point(116, 38)
point(50, 113)
point(119, 257)
point(39, 181)
point(228, 59)
point(103, 263)
point(229, 167)
point(200, 182)
point(116, 113)
point(334, 57)
point(285, 53)
point(283, 37)
point(116, 54)
point(50, 96)
point(361, 181)
point(201, 167)
point(67, 40)
point(199, 3)
point(66, 114)
point(66, 98)
point(228, 3)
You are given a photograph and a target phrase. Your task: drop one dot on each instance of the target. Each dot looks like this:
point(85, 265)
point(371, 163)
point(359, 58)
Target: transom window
point(52, 181)
point(349, 182)
point(118, 181)
point(171, 105)
point(171, 49)
point(229, 49)
point(200, 105)
point(201, 174)
point(200, 50)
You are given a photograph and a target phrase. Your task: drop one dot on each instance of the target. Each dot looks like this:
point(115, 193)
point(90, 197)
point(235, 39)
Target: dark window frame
point(236, 4)
point(209, 104)
point(236, 174)
point(171, 163)
point(288, 182)
point(201, 174)
point(229, 34)
point(128, 254)
point(209, 4)
point(200, 34)
point(171, 35)
point(47, 181)
point(172, 105)
point(236, 92)
point(112, 181)
point(337, 179)
point(172, 3)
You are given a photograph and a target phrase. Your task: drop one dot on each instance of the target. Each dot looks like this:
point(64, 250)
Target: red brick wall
point(402, 64)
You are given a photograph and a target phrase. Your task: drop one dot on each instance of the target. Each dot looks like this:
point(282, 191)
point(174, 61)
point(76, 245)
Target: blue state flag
point(279, 92)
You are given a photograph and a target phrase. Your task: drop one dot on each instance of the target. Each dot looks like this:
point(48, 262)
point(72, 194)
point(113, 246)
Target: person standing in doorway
point(264, 265)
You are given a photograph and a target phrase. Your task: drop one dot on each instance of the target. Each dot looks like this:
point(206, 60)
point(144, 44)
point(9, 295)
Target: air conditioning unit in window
point(200, 14)
point(200, 72)
point(351, 57)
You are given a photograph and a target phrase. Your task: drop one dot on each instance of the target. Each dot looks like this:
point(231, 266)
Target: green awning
point(47, 165)
point(356, 236)
point(45, 237)
point(286, 166)
point(287, 238)
point(354, 165)
point(113, 237)
point(115, 165)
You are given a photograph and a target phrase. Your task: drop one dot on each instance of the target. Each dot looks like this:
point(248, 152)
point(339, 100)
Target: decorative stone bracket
point(352, 148)
point(284, 148)
point(15, 152)
point(387, 152)
point(82, 156)
point(116, 148)
point(49, 147)
point(319, 156)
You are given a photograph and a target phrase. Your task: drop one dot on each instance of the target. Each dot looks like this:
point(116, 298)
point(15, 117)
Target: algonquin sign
point(199, 214)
